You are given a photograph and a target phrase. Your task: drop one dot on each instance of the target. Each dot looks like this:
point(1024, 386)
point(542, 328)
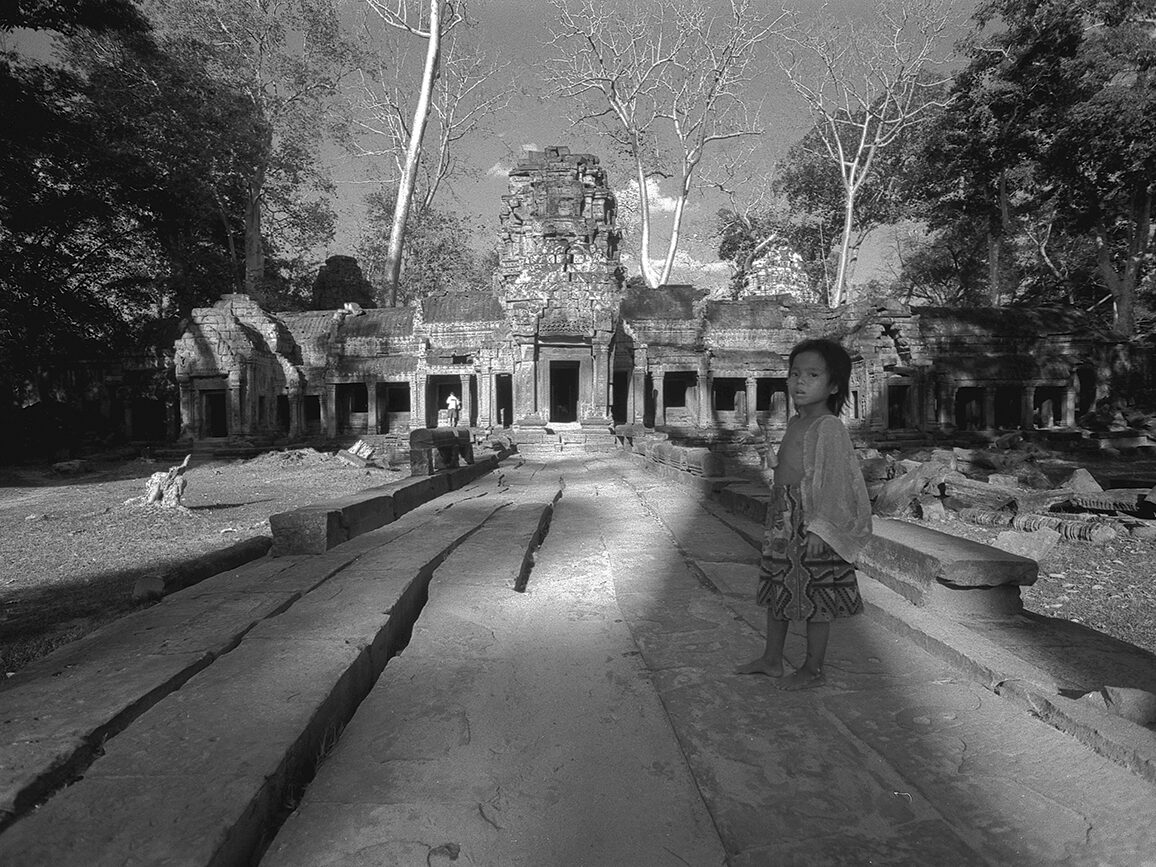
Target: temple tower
point(560, 284)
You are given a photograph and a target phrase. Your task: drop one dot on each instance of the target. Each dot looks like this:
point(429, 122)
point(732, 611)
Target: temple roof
point(463, 307)
point(673, 301)
point(379, 322)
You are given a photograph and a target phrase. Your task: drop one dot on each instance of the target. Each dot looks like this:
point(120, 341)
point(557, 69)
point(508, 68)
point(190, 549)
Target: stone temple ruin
point(559, 341)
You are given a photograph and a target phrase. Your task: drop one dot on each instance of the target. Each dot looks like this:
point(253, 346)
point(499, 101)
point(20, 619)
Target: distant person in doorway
point(453, 406)
point(818, 519)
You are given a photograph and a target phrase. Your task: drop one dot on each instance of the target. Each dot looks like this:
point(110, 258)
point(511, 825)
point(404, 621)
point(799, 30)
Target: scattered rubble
point(1004, 488)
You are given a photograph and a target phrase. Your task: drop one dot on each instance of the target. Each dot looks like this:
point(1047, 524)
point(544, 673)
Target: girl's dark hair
point(838, 362)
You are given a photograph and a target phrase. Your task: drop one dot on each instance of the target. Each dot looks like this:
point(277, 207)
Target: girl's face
point(810, 383)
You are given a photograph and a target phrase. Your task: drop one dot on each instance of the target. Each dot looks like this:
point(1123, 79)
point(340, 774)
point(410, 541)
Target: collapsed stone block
point(1035, 545)
point(434, 449)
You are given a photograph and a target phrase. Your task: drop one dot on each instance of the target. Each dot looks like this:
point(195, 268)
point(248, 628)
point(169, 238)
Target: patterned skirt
point(793, 584)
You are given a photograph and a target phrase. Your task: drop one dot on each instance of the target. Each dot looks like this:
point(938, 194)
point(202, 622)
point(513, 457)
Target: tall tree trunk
point(675, 232)
point(254, 244)
point(413, 153)
point(838, 290)
point(994, 254)
point(644, 265)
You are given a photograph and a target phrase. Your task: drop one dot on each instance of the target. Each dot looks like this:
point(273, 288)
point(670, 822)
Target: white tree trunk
point(644, 265)
point(838, 291)
point(408, 180)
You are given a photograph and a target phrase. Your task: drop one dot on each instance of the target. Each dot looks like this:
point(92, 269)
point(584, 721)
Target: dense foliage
point(132, 165)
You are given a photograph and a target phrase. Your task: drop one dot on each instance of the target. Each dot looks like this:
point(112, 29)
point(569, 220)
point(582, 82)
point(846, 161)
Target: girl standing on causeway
point(819, 517)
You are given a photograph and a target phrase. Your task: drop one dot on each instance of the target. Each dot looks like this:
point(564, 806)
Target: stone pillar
point(600, 383)
point(1069, 408)
point(486, 399)
point(188, 406)
point(751, 420)
point(236, 408)
point(636, 401)
point(705, 399)
point(329, 410)
point(525, 384)
point(372, 422)
point(467, 407)
point(416, 400)
point(296, 414)
point(946, 405)
point(989, 407)
point(780, 408)
point(659, 408)
point(1028, 407)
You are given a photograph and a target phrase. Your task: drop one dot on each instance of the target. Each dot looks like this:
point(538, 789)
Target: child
point(819, 517)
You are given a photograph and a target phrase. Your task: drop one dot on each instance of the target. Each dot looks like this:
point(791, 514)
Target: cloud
point(498, 170)
point(658, 202)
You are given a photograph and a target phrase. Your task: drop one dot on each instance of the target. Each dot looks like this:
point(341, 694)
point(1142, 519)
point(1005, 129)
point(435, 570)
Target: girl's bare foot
point(762, 665)
point(803, 678)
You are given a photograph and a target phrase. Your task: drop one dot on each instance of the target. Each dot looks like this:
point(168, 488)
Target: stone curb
point(150, 587)
point(316, 528)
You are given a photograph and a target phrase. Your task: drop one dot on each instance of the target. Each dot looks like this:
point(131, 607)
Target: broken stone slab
point(1003, 480)
point(897, 495)
point(1036, 545)
point(1136, 705)
point(930, 509)
point(1082, 482)
point(1145, 531)
point(353, 460)
point(944, 572)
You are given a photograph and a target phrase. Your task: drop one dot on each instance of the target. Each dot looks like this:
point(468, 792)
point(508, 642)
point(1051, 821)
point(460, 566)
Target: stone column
point(989, 407)
point(600, 384)
point(524, 383)
point(1069, 408)
point(416, 400)
point(946, 405)
point(751, 420)
point(372, 422)
point(705, 399)
point(467, 402)
point(236, 408)
point(188, 405)
point(1028, 407)
point(296, 413)
point(329, 410)
point(659, 408)
point(486, 399)
point(636, 401)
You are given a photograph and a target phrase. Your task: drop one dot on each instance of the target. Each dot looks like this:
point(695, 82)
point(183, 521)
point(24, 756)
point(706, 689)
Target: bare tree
point(865, 83)
point(430, 23)
point(666, 81)
point(467, 96)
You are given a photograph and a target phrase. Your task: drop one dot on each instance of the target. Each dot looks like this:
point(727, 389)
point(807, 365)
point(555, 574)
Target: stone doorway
point(215, 412)
point(504, 399)
point(564, 391)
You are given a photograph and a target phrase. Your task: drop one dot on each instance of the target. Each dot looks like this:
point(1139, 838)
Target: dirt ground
point(72, 546)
